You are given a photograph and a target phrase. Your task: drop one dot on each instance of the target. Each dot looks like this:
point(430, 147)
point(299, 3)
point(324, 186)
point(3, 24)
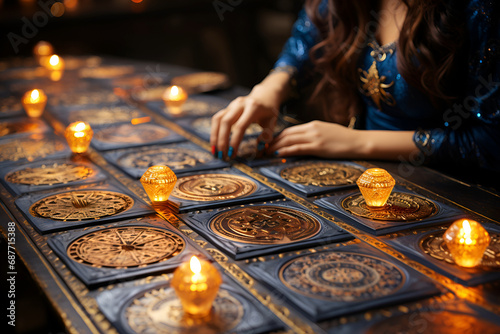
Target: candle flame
point(80, 126)
point(35, 94)
point(467, 238)
point(195, 265)
point(174, 90)
point(54, 60)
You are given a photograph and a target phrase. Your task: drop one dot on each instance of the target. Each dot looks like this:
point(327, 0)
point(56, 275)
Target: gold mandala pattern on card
point(175, 158)
point(125, 247)
point(132, 134)
point(264, 225)
point(321, 174)
point(341, 276)
point(436, 321)
point(50, 174)
point(9, 128)
point(213, 187)
point(84, 98)
point(29, 148)
point(105, 115)
point(434, 246)
point(81, 205)
point(399, 207)
point(194, 107)
point(105, 72)
point(160, 311)
point(9, 104)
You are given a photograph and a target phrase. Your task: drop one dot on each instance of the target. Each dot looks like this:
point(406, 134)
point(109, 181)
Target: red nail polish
point(213, 149)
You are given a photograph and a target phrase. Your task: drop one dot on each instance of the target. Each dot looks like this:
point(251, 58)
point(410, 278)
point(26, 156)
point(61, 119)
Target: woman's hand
point(261, 106)
point(322, 139)
point(330, 140)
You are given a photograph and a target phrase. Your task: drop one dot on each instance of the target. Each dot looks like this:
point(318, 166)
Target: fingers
point(221, 126)
point(239, 128)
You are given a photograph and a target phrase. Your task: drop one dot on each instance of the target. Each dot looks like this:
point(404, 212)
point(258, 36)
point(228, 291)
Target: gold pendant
point(373, 86)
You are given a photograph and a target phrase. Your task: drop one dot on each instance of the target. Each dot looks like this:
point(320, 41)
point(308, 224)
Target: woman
point(421, 78)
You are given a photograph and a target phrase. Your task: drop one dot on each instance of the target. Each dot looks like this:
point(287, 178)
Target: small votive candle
point(174, 97)
point(79, 135)
point(196, 283)
point(42, 51)
point(376, 186)
point(466, 240)
point(55, 63)
point(158, 182)
point(34, 102)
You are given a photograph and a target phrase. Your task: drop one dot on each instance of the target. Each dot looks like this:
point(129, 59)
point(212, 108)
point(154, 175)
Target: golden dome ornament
point(158, 182)
point(376, 185)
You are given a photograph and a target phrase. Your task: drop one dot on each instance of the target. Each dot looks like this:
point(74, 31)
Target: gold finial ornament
point(158, 182)
point(375, 185)
point(466, 240)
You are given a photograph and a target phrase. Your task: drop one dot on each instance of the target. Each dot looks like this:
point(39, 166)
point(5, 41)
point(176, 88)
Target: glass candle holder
point(34, 102)
point(42, 51)
point(466, 240)
point(376, 186)
point(158, 182)
point(78, 135)
point(174, 97)
point(196, 283)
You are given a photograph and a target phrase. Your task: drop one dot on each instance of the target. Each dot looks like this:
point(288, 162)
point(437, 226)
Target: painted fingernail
point(220, 155)
point(230, 152)
point(213, 150)
point(261, 145)
point(276, 152)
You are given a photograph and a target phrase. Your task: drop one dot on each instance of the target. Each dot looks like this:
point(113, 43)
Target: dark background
point(242, 38)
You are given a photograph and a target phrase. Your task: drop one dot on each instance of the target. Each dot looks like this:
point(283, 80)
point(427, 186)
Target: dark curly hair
point(428, 49)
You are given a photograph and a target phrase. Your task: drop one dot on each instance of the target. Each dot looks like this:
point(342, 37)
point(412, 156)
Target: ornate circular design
point(9, 128)
point(50, 174)
point(399, 207)
point(105, 72)
point(107, 115)
point(434, 322)
point(160, 311)
point(195, 107)
point(265, 225)
point(84, 98)
point(434, 246)
point(202, 81)
point(132, 134)
point(81, 205)
point(341, 276)
point(321, 174)
point(175, 158)
point(203, 125)
point(213, 187)
point(29, 148)
point(125, 247)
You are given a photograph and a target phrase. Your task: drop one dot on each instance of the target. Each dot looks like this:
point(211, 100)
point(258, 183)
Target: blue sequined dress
point(465, 134)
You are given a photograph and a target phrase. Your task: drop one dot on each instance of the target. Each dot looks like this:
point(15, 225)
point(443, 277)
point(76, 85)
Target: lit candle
point(34, 102)
point(376, 186)
point(42, 51)
point(79, 135)
point(196, 284)
point(466, 240)
point(174, 97)
point(158, 182)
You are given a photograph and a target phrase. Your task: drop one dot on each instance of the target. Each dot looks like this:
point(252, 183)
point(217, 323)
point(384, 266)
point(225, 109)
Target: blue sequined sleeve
point(295, 53)
point(471, 133)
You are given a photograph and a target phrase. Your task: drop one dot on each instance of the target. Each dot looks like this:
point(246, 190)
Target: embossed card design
point(429, 248)
point(315, 177)
point(156, 308)
point(404, 210)
point(74, 207)
point(196, 105)
point(50, 174)
point(181, 158)
point(264, 228)
point(125, 135)
point(22, 126)
point(218, 188)
point(346, 279)
point(104, 254)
